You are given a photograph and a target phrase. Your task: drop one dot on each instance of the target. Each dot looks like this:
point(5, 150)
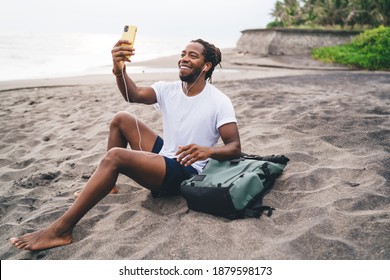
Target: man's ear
point(207, 66)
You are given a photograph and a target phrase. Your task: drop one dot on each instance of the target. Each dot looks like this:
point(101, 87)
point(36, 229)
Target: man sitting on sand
point(195, 114)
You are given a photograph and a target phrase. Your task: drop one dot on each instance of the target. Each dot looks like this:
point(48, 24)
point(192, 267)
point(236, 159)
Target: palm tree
point(332, 12)
point(310, 16)
point(288, 12)
point(383, 7)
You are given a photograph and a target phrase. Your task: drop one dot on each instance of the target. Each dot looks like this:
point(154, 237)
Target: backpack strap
point(257, 210)
point(272, 158)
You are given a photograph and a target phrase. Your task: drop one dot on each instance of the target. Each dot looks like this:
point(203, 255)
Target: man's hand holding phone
point(124, 48)
point(121, 53)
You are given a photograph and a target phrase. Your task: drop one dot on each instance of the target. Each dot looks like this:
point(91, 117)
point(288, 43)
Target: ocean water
point(49, 55)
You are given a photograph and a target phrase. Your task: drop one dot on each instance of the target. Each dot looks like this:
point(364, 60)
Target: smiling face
point(191, 62)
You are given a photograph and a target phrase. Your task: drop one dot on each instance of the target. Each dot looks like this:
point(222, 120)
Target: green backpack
point(235, 188)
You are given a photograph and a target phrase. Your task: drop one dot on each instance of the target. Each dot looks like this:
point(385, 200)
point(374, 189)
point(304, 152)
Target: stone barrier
point(281, 41)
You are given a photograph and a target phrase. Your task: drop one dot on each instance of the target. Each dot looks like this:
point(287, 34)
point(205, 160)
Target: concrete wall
point(290, 41)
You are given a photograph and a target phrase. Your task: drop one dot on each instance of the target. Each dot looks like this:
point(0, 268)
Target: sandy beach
point(332, 201)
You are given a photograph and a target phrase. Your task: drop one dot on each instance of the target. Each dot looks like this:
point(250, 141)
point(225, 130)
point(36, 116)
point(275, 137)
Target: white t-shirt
point(191, 120)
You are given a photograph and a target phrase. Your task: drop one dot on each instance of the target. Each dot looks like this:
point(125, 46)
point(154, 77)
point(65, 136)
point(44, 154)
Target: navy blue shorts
point(174, 175)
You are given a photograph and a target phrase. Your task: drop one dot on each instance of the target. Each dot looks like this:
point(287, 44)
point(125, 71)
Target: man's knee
point(112, 159)
point(120, 118)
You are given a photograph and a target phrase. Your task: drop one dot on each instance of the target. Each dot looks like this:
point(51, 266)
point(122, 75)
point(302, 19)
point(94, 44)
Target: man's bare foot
point(113, 191)
point(42, 239)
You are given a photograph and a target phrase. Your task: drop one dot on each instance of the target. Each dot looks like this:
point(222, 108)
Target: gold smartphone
point(129, 32)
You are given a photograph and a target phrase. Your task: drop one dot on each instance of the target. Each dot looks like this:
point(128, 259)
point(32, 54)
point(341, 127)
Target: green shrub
point(368, 50)
point(275, 23)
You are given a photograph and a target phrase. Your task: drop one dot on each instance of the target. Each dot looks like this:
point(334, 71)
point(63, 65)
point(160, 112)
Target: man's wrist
point(120, 73)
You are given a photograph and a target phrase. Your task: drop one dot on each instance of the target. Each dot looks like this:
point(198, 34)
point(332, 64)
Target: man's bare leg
point(114, 190)
point(124, 130)
point(148, 171)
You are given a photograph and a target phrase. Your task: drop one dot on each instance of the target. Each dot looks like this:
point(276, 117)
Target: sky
point(206, 19)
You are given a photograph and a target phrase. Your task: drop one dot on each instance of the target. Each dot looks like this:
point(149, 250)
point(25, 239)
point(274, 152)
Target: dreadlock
point(212, 54)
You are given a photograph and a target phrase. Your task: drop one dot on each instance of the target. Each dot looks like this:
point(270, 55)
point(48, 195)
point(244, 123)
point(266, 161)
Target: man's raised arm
point(129, 90)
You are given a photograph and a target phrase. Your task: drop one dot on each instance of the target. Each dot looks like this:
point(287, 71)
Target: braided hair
point(212, 54)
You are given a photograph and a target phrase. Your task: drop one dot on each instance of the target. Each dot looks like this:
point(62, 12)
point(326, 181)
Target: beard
point(192, 77)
